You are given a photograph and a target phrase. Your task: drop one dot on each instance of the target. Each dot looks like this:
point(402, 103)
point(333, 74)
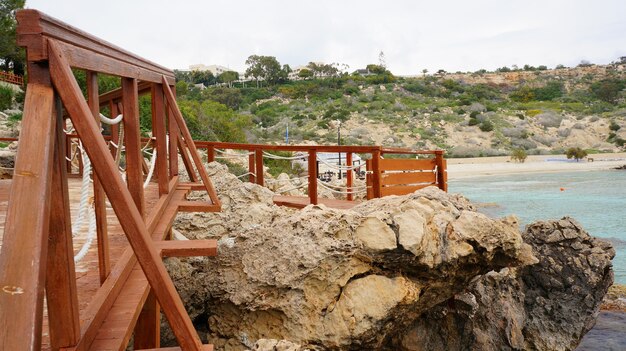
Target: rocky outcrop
point(341, 279)
point(418, 272)
point(546, 306)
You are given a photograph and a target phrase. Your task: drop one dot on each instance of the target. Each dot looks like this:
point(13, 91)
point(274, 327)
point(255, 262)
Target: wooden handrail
point(83, 50)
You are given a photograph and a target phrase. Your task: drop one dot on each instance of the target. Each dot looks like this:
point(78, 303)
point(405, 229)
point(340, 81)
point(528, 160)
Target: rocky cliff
point(417, 272)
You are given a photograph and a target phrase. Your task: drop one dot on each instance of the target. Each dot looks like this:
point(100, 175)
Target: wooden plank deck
point(303, 201)
point(87, 275)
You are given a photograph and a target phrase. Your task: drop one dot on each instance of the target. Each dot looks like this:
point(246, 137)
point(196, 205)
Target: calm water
point(597, 199)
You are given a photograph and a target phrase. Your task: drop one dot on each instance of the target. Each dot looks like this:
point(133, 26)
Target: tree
point(11, 56)
point(202, 77)
point(608, 90)
point(381, 60)
point(305, 73)
point(228, 77)
point(519, 155)
point(322, 69)
point(576, 153)
point(213, 121)
point(265, 68)
point(424, 71)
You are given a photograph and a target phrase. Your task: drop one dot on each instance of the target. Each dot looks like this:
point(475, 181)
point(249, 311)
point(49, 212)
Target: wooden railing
point(37, 252)
point(11, 78)
point(385, 175)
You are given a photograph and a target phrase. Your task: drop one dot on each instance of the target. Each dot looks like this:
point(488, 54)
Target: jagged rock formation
point(362, 279)
point(546, 306)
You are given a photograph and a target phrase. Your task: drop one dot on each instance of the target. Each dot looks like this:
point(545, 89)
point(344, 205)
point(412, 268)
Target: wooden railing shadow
point(37, 253)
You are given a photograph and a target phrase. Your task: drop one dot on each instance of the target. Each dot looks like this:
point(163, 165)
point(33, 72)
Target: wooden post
point(252, 177)
point(100, 210)
point(258, 158)
point(442, 181)
point(349, 175)
point(368, 179)
point(210, 154)
point(148, 327)
point(61, 295)
point(173, 140)
point(158, 131)
point(376, 183)
point(132, 139)
point(25, 243)
point(313, 177)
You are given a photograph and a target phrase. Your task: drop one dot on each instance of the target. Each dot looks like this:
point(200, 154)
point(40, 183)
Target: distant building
point(216, 70)
point(364, 72)
point(294, 74)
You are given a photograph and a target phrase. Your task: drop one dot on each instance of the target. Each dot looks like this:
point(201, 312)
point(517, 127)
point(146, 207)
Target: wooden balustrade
point(11, 78)
point(37, 244)
point(385, 176)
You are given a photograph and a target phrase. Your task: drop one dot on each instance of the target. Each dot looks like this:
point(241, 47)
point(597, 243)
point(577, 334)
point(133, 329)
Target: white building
point(216, 70)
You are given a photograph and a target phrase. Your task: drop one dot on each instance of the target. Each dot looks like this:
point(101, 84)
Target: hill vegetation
point(534, 109)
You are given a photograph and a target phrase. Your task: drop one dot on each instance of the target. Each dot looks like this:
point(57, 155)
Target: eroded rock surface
point(319, 277)
point(546, 306)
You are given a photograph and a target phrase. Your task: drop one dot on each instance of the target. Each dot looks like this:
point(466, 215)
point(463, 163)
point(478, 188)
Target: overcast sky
point(464, 35)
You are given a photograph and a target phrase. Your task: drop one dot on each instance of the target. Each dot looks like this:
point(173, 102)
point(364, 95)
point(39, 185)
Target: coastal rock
point(312, 277)
point(545, 306)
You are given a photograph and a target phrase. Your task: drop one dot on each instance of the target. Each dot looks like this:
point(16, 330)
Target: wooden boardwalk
point(116, 329)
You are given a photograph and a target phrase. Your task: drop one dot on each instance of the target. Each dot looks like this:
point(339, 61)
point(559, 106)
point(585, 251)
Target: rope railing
point(290, 158)
point(339, 167)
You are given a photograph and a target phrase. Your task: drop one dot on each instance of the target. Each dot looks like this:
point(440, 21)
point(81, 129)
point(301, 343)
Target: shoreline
point(461, 168)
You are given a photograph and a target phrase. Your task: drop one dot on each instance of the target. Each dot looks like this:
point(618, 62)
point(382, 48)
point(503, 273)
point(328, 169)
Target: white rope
point(345, 187)
point(342, 168)
point(84, 193)
point(226, 157)
point(319, 182)
point(276, 157)
point(91, 234)
point(151, 171)
point(111, 121)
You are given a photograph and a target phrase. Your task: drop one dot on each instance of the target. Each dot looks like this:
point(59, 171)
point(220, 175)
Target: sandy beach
point(502, 165)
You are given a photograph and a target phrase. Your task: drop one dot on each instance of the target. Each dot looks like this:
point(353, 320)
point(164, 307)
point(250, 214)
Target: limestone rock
point(312, 277)
point(376, 235)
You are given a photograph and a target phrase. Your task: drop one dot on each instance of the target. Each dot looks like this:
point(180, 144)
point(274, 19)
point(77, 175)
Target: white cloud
point(450, 35)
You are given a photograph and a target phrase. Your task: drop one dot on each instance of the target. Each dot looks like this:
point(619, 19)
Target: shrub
point(519, 155)
point(6, 98)
point(614, 126)
point(576, 153)
point(549, 119)
point(550, 91)
point(473, 122)
point(486, 126)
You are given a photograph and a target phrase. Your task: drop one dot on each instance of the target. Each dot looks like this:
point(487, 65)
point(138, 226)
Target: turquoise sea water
point(597, 199)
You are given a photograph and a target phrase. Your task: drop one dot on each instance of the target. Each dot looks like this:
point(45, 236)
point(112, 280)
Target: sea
point(596, 199)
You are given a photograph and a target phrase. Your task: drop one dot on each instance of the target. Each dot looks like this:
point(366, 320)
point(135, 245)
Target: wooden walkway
point(116, 327)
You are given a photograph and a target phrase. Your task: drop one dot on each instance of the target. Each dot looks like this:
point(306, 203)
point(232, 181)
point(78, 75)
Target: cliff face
point(381, 275)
